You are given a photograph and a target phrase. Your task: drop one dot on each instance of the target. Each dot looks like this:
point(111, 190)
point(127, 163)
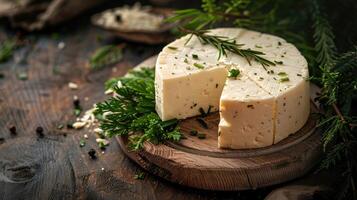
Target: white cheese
point(247, 113)
point(189, 76)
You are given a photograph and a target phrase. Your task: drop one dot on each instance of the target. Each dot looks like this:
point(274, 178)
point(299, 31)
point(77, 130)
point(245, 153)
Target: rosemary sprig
point(225, 44)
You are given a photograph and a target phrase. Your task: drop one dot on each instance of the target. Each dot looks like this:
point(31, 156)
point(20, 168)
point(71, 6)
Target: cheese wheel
point(260, 107)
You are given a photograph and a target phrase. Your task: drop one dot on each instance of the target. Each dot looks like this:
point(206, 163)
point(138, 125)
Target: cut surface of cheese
point(260, 107)
point(246, 115)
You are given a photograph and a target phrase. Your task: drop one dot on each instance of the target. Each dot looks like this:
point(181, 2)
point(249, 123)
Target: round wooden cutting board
point(199, 163)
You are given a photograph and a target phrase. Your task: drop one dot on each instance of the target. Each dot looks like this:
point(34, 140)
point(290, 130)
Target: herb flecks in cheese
point(272, 94)
point(172, 48)
point(199, 66)
point(233, 73)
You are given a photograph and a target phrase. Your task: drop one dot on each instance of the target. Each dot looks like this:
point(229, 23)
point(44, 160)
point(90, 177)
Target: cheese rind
point(190, 76)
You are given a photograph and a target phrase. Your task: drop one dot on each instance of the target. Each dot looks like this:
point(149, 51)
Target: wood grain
point(55, 167)
point(199, 163)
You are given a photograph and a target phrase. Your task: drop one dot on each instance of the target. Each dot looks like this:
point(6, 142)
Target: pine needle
point(132, 111)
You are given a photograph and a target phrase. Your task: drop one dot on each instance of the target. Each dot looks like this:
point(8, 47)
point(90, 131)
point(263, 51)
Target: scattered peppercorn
point(70, 125)
point(76, 103)
point(39, 132)
point(193, 132)
point(92, 154)
point(201, 136)
point(12, 130)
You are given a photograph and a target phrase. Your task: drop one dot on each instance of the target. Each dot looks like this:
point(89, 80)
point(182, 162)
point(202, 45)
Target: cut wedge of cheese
point(262, 106)
point(247, 115)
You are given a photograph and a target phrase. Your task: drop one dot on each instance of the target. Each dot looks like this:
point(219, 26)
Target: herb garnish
point(82, 143)
point(140, 176)
point(233, 73)
point(284, 79)
point(282, 74)
point(172, 48)
point(199, 66)
point(132, 111)
point(224, 44)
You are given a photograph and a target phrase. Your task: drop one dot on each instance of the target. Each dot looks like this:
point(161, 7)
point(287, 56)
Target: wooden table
point(56, 167)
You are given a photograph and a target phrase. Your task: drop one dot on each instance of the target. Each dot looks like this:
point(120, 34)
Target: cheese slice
point(246, 115)
point(261, 107)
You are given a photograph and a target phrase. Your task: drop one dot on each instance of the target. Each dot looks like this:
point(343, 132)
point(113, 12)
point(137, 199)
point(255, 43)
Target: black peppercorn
point(92, 153)
point(76, 103)
point(70, 126)
point(39, 131)
point(12, 130)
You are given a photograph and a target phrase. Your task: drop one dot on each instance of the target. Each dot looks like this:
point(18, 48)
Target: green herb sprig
point(225, 44)
point(131, 112)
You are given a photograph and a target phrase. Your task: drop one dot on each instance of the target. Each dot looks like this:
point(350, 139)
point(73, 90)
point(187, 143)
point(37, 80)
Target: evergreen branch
point(213, 13)
point(323, 37)
point(131, 112)
point(225, 44)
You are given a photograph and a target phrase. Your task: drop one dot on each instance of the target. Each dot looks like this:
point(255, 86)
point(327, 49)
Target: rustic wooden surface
point(199, 163)
point(55, 167)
